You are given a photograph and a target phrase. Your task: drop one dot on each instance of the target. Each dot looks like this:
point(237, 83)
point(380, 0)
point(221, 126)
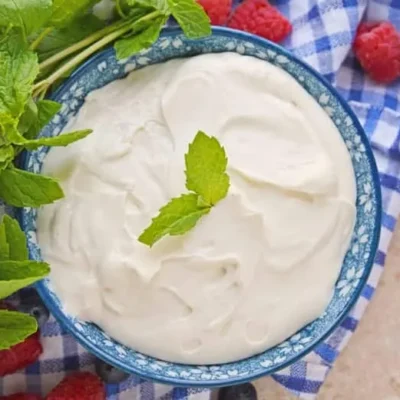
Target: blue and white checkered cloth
point(323, 31)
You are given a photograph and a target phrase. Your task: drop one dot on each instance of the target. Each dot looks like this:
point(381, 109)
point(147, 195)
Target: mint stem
point(75, 61)
point(39, 39)
point(94, 37)
point(119, 9)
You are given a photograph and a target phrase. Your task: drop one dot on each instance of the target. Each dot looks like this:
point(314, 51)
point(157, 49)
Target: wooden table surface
point(369, 367)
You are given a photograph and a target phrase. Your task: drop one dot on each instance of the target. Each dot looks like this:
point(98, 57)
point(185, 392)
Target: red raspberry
point(377, 48)
point(20, 355)
point(260, 18)
point(78, 386)
point(22, 396)
point(217, 10)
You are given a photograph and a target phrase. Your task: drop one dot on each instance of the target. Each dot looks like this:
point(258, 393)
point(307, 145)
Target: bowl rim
point(181, 382)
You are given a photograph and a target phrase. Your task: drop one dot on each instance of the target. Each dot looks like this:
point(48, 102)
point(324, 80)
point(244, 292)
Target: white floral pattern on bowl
point(104, 68)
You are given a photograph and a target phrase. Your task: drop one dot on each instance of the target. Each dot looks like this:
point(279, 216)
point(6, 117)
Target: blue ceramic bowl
point(104, 68)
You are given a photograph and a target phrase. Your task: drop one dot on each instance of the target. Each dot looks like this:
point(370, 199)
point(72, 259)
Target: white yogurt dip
point(257, 268)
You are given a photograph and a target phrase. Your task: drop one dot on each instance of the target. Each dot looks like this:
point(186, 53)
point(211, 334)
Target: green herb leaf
point(160, 5)
point(6, 121)
point(29, 116)
point(46, 110)
point(59, 39)
point(16, 240)
point(191, 17)
point(12, 241)
point(25, 189)
point(6, 156)
point(206, 164)
point(131, 45)
point(206, 175)
point(15, 275)
point(136, 10)
point(62, 140)
point(29, 15)
point(18, 69)
point(176, 218)
point(4, 247)
point(16, 272)
point(65, 11)
point(8, 130)
point(15, 327)
point(11, 133)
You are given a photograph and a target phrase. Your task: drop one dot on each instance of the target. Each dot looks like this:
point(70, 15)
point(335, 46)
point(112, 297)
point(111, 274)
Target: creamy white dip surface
point(257, 268)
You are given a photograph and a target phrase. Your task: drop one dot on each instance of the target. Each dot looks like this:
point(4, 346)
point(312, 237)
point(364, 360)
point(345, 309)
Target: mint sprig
point(13, 239)
point(175, 218)
point(206, 164)
point(26, 189)
point(16, 272)
point(208, 181)
point(15, 327)
point(191, 17)
point(15, 275)
point(142, 40)
point(21, 119)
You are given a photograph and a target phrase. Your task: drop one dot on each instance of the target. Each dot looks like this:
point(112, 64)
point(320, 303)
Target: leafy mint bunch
point(16, 272)
point(21, 119)
point(208, 183)
point(137, 27)
point(41, 43)
point(190, 16)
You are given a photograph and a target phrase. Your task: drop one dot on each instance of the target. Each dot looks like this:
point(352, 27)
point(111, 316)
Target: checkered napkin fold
point(323, 31)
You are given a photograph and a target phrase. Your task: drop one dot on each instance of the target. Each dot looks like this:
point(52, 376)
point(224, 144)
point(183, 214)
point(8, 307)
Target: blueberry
point(108, 373)
point(245, 391)
point(32, 304)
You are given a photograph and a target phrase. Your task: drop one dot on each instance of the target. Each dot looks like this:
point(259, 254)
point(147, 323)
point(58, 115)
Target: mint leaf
point(59, 39)
point(12, 241)
point(36, 116)
point(16, 272)
point(177, 217)
point(4, 247)
point(7, 122)
point(29, 116)
point(29, 15)
point(18, 69)
point(11, 133)
point(191, 17)
point(62, 140)
point(136, 9)
point(15, 327)
point(15, 275)
point(206, 176)
point(46, 110)
point(8, 130)
point(131, 45)
point(160, 5)
point(25, 189)
point(206, 164)
point(6, 156)
point(15, 238)
point(65, 11)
